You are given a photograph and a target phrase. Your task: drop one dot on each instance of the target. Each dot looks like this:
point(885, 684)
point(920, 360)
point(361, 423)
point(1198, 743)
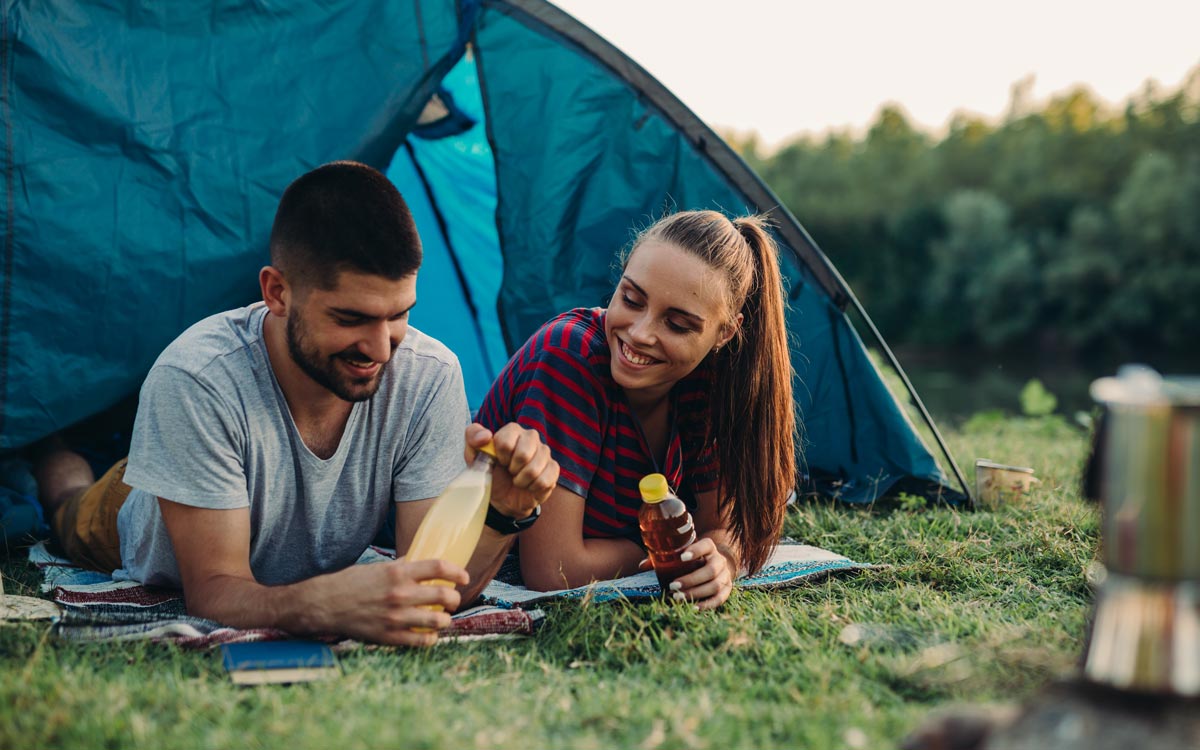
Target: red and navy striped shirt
point(560, 384)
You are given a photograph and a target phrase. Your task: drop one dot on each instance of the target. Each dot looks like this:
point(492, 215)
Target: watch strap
point(503, 524)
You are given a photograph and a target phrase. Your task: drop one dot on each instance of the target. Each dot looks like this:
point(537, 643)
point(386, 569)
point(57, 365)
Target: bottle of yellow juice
point(452, 527)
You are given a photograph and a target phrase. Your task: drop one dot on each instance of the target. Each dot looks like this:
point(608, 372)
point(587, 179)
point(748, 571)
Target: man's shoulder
point(420, 350)
point(214, 338)
point(423, 380)
point(421, 366)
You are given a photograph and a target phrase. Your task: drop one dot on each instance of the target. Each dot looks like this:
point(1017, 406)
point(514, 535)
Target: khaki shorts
point(85, 526)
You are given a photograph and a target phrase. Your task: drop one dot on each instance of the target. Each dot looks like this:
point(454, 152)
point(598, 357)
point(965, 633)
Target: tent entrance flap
point(449, 182)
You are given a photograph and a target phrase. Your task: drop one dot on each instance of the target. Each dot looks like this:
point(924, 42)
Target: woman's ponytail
point(754, 418)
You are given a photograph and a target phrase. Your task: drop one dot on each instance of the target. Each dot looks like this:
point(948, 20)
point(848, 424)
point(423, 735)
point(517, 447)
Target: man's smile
point(358, 365)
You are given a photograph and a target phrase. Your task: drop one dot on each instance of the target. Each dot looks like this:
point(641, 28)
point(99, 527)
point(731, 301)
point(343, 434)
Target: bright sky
point(782, 67)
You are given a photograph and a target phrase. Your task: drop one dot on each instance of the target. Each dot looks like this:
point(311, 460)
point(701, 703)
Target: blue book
point(266, 662)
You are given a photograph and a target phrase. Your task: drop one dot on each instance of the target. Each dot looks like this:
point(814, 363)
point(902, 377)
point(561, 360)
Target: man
point(270, 441)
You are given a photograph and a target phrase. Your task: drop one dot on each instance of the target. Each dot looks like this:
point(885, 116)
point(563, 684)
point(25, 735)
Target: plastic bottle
point(452, 527)
point(667, 530)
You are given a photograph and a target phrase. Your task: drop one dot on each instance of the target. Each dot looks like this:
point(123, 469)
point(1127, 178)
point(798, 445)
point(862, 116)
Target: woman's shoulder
point(576, 333)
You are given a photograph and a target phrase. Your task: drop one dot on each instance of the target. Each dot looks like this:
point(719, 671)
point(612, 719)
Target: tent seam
point(9, 216)
point(695, 131)
point(455, 261)
point(841, 363)
point(509, 345)
point(421, 34)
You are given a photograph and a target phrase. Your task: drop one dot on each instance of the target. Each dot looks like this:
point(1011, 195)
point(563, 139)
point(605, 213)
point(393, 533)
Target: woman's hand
point(710, 585)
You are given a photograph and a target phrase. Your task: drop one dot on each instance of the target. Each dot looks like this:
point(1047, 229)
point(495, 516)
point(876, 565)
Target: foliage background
point(1071, 227)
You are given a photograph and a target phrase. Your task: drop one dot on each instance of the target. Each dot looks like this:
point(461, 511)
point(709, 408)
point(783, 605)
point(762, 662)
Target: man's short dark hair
point(343, 216)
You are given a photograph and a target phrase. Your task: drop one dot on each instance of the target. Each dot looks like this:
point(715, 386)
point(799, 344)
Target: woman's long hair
point(752, 417)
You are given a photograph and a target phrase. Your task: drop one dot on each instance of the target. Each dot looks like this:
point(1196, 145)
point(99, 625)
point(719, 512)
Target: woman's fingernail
point(686, 556)
point(678, 596)
point(676, 586)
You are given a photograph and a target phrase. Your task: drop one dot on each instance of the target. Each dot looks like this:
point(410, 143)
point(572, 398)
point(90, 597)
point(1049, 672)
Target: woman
point(686, 373)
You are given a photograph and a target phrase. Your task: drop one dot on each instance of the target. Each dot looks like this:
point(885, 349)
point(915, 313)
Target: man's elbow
point(203, 598)
point(200, 606)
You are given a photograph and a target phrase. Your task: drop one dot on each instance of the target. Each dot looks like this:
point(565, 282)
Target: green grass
point(973, 607)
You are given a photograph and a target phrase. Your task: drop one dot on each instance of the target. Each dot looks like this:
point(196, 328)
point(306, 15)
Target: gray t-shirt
point(213, 430)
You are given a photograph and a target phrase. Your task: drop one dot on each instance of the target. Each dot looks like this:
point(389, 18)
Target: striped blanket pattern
point(97, 608)
point(790, 564)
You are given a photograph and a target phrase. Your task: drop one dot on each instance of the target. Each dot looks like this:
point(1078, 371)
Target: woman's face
point(668, 312)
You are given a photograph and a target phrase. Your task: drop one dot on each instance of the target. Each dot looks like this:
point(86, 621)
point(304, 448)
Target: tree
point(1069, 222)
point(984, 282)
point(1159, 235)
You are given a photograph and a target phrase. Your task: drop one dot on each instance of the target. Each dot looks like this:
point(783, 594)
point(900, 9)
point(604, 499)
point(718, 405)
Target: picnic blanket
point(790, 564)
point(97, 608)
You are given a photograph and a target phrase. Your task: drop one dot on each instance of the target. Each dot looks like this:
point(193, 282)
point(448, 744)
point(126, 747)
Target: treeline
point(1072, 227)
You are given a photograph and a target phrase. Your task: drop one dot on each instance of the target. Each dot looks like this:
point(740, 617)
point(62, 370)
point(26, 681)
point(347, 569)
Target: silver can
point(1145, 632)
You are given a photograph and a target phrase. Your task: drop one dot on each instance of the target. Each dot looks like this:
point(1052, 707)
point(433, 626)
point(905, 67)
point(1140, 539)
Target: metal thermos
point(1145, 471)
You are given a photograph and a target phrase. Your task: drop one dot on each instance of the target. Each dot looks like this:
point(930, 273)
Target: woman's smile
point(633, 357)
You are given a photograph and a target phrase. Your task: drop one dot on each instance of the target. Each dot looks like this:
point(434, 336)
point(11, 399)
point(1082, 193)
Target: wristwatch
point(497, 521)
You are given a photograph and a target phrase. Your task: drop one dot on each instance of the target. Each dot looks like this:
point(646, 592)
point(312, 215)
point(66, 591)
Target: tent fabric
point(145, 149)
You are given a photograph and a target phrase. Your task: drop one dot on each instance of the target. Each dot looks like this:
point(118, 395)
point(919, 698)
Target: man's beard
point(324, 370)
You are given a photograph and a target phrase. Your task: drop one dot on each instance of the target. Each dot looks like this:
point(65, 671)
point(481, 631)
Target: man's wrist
point(302, 610)
point(505, 524)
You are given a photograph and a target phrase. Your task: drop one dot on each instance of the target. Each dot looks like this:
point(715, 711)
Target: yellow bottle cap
point(489, 449)
point(654, 488)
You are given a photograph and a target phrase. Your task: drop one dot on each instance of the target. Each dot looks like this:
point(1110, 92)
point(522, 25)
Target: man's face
point(343, 338)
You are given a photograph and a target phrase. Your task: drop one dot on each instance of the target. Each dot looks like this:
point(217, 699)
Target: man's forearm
point(387, 602)
point(243, 603)
point(488, 556)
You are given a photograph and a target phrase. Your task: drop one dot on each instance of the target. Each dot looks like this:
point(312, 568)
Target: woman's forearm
point(711, 523)
point(578, 564)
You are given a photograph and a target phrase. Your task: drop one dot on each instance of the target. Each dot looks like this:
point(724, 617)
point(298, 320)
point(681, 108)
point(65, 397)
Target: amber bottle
point(667, 530)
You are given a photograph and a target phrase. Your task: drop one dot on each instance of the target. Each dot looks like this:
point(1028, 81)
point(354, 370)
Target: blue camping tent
point(146, 144)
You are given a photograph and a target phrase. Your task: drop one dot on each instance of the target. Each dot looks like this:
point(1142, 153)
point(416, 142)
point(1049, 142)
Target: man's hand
point(381, 602)
point(525, 473)
point(388, 602)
